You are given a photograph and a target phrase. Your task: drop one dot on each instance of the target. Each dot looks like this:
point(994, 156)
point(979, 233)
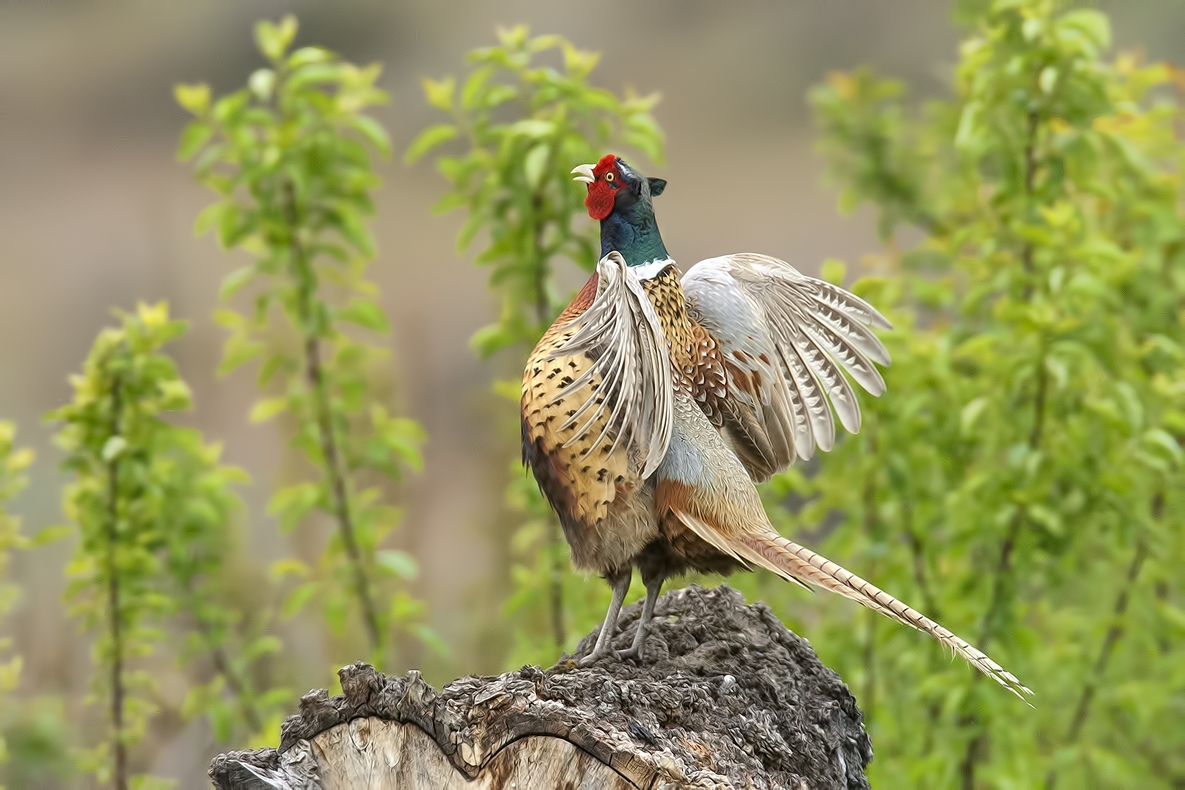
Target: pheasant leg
point(634, 651)
point(620, 582)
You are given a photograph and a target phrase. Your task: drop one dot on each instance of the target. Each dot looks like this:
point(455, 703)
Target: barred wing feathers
point(785, 338)
point(621, 333)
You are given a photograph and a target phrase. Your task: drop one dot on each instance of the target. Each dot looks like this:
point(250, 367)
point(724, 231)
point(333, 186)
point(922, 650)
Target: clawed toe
point(634, 653)
point(593, 658)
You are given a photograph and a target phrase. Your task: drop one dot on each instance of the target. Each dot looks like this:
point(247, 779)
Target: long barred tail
point(800, 563)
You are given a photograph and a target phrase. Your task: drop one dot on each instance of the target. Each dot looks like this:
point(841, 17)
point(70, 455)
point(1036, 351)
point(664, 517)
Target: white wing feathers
point(785, 337)
point(631, 370)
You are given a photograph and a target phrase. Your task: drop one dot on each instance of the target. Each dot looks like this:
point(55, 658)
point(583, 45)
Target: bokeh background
point(95, 213)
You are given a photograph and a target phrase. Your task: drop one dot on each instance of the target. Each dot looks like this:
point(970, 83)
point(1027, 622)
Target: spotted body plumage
point(595, 492)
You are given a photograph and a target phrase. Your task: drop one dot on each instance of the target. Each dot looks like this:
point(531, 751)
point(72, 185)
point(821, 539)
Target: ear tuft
point(657, 185)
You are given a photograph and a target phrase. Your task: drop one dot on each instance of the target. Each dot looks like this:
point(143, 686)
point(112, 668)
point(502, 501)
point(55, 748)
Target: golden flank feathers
point(587, 472)
point(571, 441)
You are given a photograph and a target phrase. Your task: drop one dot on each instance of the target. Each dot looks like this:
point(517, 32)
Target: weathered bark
point(726, 697)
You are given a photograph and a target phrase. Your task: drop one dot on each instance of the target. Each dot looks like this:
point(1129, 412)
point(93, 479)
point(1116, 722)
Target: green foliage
point(1021, 480)
point(196, 538)
point(39, 736)
point(151, 503)
point(13, 463)
point(525, 116)
point(288, 156)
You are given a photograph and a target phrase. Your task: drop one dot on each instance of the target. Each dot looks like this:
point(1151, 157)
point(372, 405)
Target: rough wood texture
point(726, 698)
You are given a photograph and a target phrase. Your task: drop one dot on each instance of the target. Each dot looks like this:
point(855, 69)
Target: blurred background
point(95, 213)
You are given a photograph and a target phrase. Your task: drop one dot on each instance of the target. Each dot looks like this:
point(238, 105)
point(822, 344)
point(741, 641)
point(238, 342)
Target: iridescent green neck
point(633, 232)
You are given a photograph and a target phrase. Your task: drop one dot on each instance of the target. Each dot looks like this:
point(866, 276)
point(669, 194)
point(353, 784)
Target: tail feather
point(798, 563)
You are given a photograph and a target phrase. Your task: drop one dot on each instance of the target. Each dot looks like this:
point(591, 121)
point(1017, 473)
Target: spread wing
point(631, 370)
point(783, 338)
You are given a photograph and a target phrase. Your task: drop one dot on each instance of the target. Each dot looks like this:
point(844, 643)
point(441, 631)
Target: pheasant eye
point(609, 176)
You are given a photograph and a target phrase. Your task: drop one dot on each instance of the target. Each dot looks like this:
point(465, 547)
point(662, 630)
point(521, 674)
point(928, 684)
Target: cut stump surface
point(726, 697)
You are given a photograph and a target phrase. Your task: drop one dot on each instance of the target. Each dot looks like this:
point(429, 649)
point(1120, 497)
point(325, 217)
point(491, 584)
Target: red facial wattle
point(602, 192)
point(599, 200)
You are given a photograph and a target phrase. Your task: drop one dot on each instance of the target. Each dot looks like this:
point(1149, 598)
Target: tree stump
point(726, 697)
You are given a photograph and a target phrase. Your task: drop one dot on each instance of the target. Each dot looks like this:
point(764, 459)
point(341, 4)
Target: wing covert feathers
point(788, 341)
point(798, 563)
point(622, 334)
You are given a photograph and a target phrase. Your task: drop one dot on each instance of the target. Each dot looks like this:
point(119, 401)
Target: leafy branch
point(288, 157)
point(13, 465)
point(1027, 463)
point(152, 505)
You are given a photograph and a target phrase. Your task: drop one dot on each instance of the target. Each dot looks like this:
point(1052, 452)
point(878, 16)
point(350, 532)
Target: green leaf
point(209, 217)
point(432, 639)
point(262, 82)
point(644, 133)
point(535, 163)
point(428, 139)
point(533, 127)
point(970, 415)
point(509, 389)
point(195, 98)
point(490, 339)
point(335, 610)
point(1165, 441)
point(353, 229)
point(306, 55)
point(374, 132)
point(399, 563)
point(1047, 79)
point(51, 535)
point(404, 608)
point(222, 721)
point(366, 314)
point(440, 94)
point(232, 225)
point(113, 447)
point(313, 74)
point(298, 599)
point(235, 281)
point(292, 503)
point(273, 40)
point(449, 202)
point(1093, 24)
point(475, 87)
point(238, 352)
point(498, 94)
point(281, 569)
point(175, 396)
point(272, 365)
point(265, 409)
point(193, 138)
point(263, 646)
point(229, 319)
point(833, 271)
point(469, 230)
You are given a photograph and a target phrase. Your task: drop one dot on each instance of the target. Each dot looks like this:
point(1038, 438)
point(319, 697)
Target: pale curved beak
point(585, 173)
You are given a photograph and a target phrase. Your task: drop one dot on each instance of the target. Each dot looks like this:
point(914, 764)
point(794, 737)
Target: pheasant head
point(621, 199)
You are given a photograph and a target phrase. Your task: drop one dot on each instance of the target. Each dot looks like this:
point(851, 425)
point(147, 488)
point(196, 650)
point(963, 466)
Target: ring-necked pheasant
point(654, 403)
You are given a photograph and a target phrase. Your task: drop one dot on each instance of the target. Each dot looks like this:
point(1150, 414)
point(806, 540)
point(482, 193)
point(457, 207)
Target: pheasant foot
point(620, 582)
point(634, 651)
